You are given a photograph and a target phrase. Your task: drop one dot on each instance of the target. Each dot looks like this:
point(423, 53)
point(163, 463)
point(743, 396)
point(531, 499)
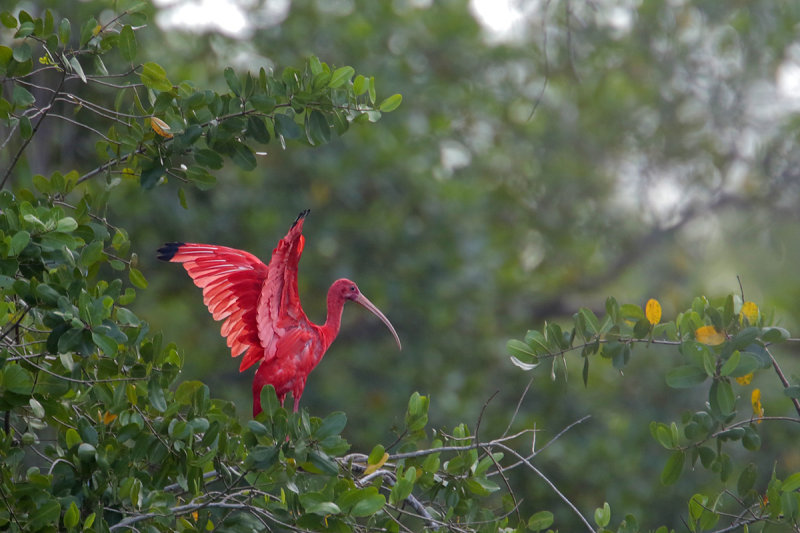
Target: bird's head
point(348, 290)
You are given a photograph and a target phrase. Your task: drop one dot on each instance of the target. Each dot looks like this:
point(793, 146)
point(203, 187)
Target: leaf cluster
point(720, 347)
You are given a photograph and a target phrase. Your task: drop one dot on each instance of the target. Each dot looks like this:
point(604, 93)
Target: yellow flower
point(755, 400)
point(745, 380)
point(653, 311)
point(709, 335)
point(750, 312)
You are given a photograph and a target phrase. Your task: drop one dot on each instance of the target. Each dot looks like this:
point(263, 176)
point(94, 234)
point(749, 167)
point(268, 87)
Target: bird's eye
point(352, 288)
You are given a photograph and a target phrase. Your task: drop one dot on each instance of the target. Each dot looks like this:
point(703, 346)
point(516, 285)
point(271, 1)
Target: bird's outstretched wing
point(279, 309)
point(231, 281)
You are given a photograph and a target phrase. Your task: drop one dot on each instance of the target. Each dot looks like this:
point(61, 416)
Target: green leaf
point(22, 53)
point(323, 463)
point(105, 343)
point(673, 468)
point(774, 335)
point(585, 372)
point(17, 379)
point(64, 31)
point(208, 158)
point(391, 103)
point(155, 77)
point(156, 396)
point(127, 43)
point(47, 514)
point(25, 127)
point(19, 242)
point(751, 440)
point(21, 97)
point(286, 127)
point(137, 278)
point(662, 433)
point(341, 76)
point(333, 424)
point(257, 128)
point(371, 503)
point(262, 457)
point(731, 364)
point(360, 85)
point(602, 515)
point(537, 342)
point(403, 486)
point(316, 503)
point(685, 376)
point(201, 178)
point(318, 130)
point(791, 483)
point(372, 92)
point(540, 521)
point(233, 81)
point(522, 352)
point(243, 156)
point(417, 413)
point(792, 392)
point(71, 516)
point(721, 397)
point(72, 438)
point(77, 68)
point(47, 293)
point(8, 20)
point(66, 225)
point(642, 328)
point(263, 103)
point(376, 454)
point(747, 364)
point(186, 390)
point(269, 400)
point(631, 311)
point(747, 480)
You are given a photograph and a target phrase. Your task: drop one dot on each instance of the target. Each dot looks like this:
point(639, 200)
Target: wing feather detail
point(232, 282)
point(279, 309)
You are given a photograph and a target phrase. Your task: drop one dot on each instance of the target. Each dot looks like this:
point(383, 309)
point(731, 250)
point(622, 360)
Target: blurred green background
point(634, 149)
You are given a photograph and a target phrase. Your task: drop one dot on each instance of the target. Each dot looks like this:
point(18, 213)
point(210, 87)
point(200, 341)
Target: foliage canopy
point(100, 432)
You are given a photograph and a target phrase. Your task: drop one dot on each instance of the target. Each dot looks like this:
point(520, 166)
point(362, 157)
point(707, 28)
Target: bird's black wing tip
point(168, 250)
point(303, 214)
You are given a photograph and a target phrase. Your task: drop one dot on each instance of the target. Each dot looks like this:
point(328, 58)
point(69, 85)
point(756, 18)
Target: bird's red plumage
point(231, 281)
point(260, 306)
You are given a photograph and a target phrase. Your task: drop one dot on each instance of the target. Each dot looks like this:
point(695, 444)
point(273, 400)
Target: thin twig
point(783, 379)
point(549, 483)
point(27, 141)
point(519, 406)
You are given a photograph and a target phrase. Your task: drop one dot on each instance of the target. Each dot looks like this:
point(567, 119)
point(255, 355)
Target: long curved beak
point(371, 306)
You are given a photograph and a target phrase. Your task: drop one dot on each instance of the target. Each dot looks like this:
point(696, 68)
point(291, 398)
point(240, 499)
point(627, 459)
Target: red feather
point(260, 306)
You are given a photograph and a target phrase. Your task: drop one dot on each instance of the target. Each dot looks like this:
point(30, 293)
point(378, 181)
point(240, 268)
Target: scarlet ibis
point(261, 308)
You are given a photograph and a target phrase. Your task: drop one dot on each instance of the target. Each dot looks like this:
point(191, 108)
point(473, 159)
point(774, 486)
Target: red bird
point(261, 307)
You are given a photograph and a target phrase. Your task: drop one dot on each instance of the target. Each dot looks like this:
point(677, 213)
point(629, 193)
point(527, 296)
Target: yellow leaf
point(160, 127)
point(653, 311)
point(755, 400)
point(709, 335)
point(371, 468)
point(108, 418)
point(745, 380)
point(750, 312)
